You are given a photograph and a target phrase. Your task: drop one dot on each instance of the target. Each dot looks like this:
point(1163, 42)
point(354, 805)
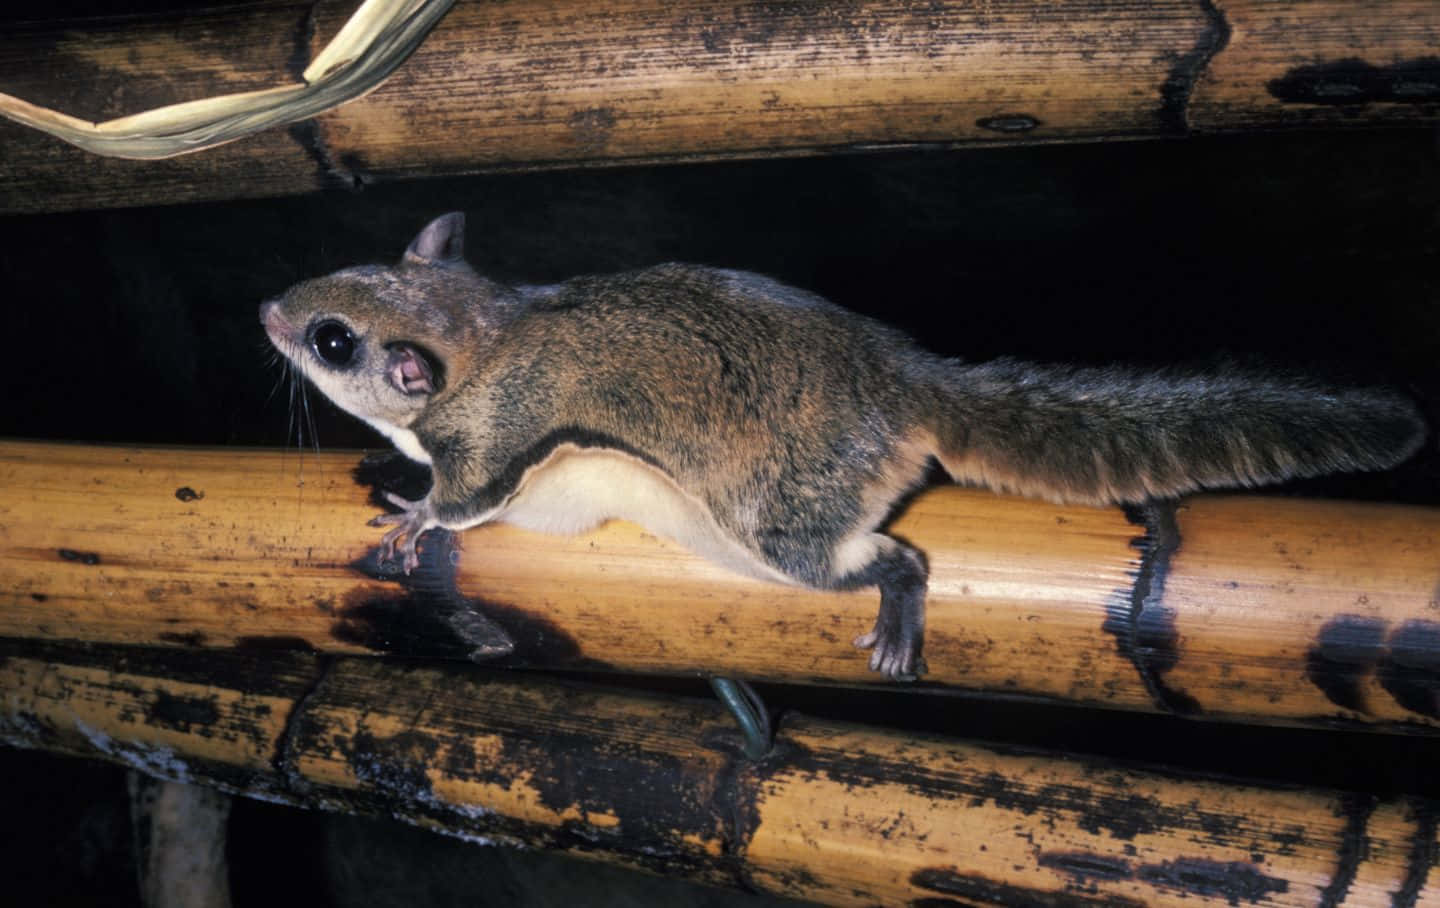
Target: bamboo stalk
point(524, 84)
point(1361, 61)
point(1258, 609)
point(837, 813)
point(366, 49)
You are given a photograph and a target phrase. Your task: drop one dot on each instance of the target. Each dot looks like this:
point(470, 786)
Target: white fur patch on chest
point(576, 489)
point(405, 440)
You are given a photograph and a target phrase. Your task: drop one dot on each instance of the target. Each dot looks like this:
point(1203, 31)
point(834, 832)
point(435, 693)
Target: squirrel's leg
point(875, 559)
point(414, 519)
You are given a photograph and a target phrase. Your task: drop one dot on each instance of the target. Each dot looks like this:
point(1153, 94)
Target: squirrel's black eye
point(333, 343)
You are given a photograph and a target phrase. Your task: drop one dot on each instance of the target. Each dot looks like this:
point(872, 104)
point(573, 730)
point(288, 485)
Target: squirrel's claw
point(413, 521)
point(895, 653)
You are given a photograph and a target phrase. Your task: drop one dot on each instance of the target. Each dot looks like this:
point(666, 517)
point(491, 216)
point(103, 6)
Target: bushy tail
point(1113, 435)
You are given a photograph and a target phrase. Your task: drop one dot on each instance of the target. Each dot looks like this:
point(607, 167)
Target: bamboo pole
point(378, 37)
point(1360, 61)
point(525, 84)
point(837, 813)
point(1258, 609)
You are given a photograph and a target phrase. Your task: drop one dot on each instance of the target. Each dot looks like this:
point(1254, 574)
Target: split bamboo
point(526, 84)
point(838, 814)
point(1260, 609)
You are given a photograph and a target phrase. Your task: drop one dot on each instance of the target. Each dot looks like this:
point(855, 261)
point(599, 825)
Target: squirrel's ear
point(442, 242)
point(411, 371)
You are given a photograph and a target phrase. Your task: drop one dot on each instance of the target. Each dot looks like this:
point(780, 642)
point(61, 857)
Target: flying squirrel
point(762, 426)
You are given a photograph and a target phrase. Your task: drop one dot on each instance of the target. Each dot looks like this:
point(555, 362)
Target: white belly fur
point(576, 489)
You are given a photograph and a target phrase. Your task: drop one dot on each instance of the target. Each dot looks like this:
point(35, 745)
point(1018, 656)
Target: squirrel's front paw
point(415, 518)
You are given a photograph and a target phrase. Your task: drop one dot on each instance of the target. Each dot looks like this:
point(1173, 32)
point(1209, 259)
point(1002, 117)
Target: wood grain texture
point(840, 814)
point(1349, 591)
point(1260, 609)
point(573, 81)
point(1361, 63)
point(527, 84)
point(98, 69)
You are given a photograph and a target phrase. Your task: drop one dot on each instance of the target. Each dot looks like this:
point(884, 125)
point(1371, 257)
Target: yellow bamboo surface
point(840, 814)
point(526, 84)
point(1261, 609)
point(1360, 60)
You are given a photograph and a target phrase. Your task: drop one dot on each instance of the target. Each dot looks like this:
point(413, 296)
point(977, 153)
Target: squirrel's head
point(381, 342)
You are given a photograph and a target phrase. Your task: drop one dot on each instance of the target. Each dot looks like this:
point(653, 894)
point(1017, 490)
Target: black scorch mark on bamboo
point(1345, 651)
point(1351, 649)
point(1143, 626)
point(1353, 81)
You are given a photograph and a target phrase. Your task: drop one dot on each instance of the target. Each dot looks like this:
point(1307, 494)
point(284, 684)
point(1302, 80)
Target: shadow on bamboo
point(1262, 609)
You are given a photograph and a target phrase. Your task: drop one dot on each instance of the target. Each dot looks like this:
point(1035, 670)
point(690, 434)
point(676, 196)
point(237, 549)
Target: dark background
point(1313, 250)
